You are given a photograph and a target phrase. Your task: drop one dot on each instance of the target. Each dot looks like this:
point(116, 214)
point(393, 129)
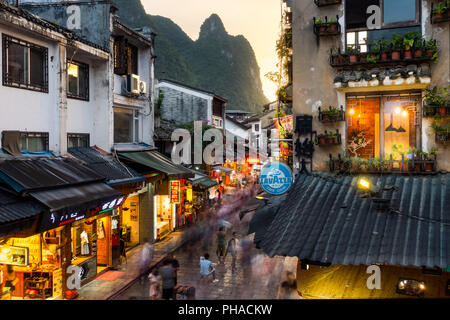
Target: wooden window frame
point(85, 67)
point(383, 96)
point(7, 81)
point(126, 57)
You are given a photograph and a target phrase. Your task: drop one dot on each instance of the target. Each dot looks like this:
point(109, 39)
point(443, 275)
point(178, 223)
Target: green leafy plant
point(332, 20)
point(441, 8)
point(319, 21)
point(436, 96)
point(372, 58)
point(332, 111)
point(408, 43)
point(397, 42)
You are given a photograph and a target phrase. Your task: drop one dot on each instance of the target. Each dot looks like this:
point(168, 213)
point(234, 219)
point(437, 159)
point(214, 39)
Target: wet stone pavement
point(257, 276)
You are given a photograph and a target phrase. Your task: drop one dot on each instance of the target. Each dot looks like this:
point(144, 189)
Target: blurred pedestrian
point(232, 249)
point(167, 273)
point(288, 288)
point(207, 268)
point(175, 265)
point(155, 284)
point(221, 244)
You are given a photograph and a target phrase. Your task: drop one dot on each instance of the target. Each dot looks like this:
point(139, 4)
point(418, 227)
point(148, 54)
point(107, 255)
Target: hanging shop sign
point(15, 256)
point(53, 220)
point(175, 187)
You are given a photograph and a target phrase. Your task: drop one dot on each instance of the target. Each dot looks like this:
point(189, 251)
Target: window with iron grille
point(78, 140)
point(34, 141)
point(25, 64)
point(78, 80)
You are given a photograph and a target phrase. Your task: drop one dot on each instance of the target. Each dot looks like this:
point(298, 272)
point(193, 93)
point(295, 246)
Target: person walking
point(232, 249)
point(221, 244)
point(167, 273)
point(288, 288)
point(176, 266)
point(155, 286)
point(123, 252)
point(207, 268)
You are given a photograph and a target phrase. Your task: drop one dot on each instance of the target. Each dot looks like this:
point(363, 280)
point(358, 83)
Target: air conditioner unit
point(133, 83)
point(142, 87)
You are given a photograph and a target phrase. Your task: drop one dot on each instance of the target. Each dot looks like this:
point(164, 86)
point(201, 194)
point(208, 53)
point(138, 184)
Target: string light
point(398, 110)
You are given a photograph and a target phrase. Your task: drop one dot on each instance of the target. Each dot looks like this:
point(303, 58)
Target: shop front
point(168, 199)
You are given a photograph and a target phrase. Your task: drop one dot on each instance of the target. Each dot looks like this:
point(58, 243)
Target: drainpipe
point(62, 98)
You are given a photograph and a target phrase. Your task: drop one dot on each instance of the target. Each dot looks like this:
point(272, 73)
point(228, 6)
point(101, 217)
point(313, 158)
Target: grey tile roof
point(328, 220)
point(14, 208)
point(105, 165)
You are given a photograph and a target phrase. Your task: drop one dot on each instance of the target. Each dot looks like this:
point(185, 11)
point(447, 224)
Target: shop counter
point(23, 273)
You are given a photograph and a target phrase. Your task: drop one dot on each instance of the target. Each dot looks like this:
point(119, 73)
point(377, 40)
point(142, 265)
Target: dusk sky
point(257, 20)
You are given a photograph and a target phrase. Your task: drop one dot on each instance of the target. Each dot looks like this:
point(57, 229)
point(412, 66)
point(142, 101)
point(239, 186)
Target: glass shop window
point(78, 80)
point(399, 11)
point(126, 125)
point(357, 39)
point(77, 140)
point(387, 124)
point(34, 141)
point(25, 65)
point(125, 57)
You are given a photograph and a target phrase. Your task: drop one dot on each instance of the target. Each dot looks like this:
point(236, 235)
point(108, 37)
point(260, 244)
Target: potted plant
point(415, 154)
point(333, 25)
point(331, 137)
point(431, 49)
point(357, 141)
point(319, 24)
point(397, 44)
point(374, 53)
point(429, 158)
point(352, 52)
point(441, 130)
point(440, 9)
point(332, 114)
point(321, 140)
point(437, 97)
point(418, 48)
point(407, 45)
point(429, 111)
point(398, 149)
point(384, 49)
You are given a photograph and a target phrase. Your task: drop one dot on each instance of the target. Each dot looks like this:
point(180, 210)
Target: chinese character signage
point(175, 187)
point(15, 256)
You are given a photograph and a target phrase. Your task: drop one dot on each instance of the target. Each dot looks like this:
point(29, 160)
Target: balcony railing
point(417, 164)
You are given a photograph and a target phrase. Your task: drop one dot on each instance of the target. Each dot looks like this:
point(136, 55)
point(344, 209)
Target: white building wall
point(27, 110)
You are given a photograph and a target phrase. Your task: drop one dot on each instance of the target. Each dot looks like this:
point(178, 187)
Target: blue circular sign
point(276, 178)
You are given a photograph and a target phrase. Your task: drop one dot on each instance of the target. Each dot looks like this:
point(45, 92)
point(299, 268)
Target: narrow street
point(256, 277)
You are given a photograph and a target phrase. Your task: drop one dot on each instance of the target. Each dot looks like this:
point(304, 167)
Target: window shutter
point(120, 56)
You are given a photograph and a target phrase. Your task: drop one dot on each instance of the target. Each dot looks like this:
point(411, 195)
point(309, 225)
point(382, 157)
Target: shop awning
point(45, 173)
point(151, 161)
point(115, 172)
point(17, 213)
point(71, 204)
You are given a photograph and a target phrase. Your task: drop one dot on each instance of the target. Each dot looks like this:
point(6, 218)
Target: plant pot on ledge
point(442, 110)
point(395, 55)
point(429, 166)
point(353, 58)
point(407, 55)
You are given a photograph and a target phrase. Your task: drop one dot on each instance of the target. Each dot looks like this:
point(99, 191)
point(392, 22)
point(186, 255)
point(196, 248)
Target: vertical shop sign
point(175, 187)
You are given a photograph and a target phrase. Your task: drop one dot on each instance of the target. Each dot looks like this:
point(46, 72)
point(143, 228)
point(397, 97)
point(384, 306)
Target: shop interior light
point(405, 113)
point(352, 111)
point(364, 183)
point(398, 110)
